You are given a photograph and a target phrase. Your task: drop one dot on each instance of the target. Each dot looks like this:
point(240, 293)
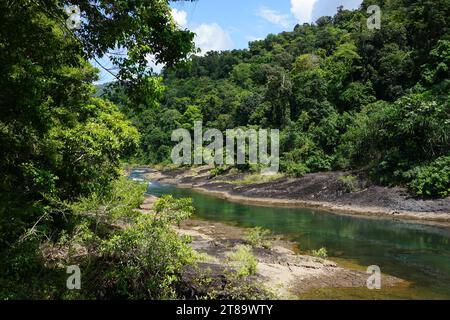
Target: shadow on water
point(414, 252)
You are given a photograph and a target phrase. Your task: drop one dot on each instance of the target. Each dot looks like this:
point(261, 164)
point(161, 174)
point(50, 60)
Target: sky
point(231, 24)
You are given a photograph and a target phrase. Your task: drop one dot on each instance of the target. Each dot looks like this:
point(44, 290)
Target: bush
point(244, 261)
point(121, 252)
point(321, 253)
point(319, 161)
point(144, 261)
point(173, 210)
point(218, 171)
point(257, 237)
point(349, 183)
point(150, 254)
point(296, 170)
point(432, 180)
point(305, 158)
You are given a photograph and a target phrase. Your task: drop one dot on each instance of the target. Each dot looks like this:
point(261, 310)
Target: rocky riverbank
point(338, 192)
point(280, 270)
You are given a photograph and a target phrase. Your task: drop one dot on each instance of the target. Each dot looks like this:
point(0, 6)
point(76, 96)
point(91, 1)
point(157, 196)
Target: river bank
point(329, 191)
point(280, 269)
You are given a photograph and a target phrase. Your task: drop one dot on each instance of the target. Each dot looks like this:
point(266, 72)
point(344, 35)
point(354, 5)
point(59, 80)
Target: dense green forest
point(344, 96)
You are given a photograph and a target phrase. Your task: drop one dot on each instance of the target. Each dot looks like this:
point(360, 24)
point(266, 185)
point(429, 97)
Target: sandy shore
point(323, 191)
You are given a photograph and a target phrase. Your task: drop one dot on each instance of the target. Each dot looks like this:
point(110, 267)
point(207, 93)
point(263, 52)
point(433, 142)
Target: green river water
point(417, 253)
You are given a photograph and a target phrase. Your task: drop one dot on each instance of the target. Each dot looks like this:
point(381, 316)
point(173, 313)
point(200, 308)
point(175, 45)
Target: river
point(415, 252)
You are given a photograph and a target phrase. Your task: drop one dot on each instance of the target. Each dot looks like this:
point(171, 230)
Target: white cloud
point(212, 37)
point(274, 17)
point(302, 10)
point(180, 17)
point(208, 36)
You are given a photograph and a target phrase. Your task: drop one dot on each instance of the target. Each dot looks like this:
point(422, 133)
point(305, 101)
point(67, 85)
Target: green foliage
point(143, 258)
point(120, 201)
point(296, 170)
point(343, 97)
point(258, 237)
point(148, 23)
point(244, 261)
point(151, 254)
point(173, 210)
point(437, 71)
point(237, 288)
point(122, 253)
point(321, 253)
point(61, 145)
point(218, 171)
point(42, 254)
point(308, 157)
point(431, 180)
point(395, 137)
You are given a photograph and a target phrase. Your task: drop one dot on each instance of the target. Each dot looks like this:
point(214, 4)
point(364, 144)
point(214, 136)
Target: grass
point(349, 183)
point(258, 179)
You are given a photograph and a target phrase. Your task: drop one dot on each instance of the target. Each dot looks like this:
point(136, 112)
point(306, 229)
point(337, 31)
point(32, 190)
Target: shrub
point(349, 183)
point(237, 288)
point(319, 161)
point(143, 261)
point(150, 252)
point(432, 180)
point(121, 252)
point(173, 210)
point(42, 253)
point(296, 170)
point(218, 171)
point(257, 237)
point(244, 261)
point(321, 253)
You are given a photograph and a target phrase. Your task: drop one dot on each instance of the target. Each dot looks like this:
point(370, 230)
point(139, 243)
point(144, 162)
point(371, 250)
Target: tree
point(58, 141)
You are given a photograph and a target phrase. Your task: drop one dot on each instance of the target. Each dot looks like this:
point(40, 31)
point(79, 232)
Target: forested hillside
point(344, 96)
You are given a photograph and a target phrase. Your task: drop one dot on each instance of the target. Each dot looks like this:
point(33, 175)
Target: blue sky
point(231, 24)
